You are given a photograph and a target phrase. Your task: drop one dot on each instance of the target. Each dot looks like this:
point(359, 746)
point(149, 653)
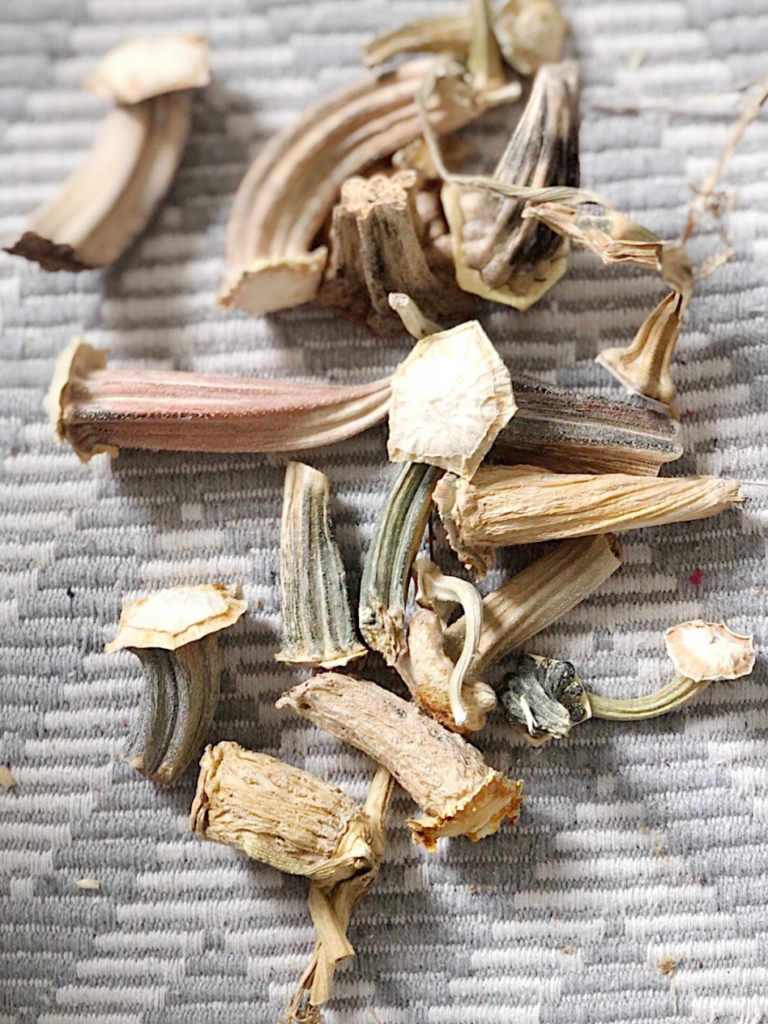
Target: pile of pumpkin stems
point(359, 207)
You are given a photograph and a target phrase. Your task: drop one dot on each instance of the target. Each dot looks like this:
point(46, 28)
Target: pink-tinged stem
point(97, 409)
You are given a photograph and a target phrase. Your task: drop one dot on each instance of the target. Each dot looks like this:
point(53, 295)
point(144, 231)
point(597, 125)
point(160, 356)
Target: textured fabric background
point(636, 842)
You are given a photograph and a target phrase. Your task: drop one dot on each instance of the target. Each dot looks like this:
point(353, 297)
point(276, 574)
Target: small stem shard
point(317, 622)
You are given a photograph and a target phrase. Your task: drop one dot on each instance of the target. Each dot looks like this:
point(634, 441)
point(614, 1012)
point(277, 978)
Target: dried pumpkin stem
point(538, 596)
point(672, 697)
point(555, 428)
point(521, 505)
point(447, 777)
point(101, 410)
point(317, 622)
point(174, 633)
point(397, 535)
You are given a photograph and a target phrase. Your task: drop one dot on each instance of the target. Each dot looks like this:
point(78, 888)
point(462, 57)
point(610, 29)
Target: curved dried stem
point(287, 194)
point(110, 198)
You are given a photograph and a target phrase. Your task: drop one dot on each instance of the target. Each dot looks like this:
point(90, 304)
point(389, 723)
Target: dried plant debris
point(555, 428)
point(499, 254)
point(297, 823)
point(544, 698)
point(643, 366)
point(332, 911)
point(521, 505)
point(110, 198)
point(709, 650)
point(528, 32)
point(7, 780)
point(317, 622)
point(446, 776)
point(538, 596)
point(279, 814)
point(439, 685)
point(100, 410)
point(615, 239)
point(388, 234)
point(88, 883)
point(450, 399)
point(287, 195)
point(175, 635)
point(397, 536)
point(144, 68)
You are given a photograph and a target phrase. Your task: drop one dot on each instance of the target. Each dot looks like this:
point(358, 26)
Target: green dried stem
point(174, 633)
point(538, 596)
point(395, 542)
point(672, 697)
point(317, 622)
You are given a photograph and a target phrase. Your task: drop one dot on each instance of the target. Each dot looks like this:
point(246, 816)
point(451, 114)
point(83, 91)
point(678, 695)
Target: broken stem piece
point(175, 635)
point(397, 535)
point(643, 366)
point(287, 195)
point(101, 410)
point(671, 697)
point(317, 623)
point(445, 775)
point(110, 198)
point(538, 596)
point(498, 254)
point(556, 428)
point(529, 32)
point(521, 505)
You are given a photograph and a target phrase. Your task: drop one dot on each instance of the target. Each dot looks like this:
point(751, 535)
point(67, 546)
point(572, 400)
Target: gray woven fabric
point(636, 843)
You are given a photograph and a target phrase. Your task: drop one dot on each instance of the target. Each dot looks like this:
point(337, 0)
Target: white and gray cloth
point(638, 844)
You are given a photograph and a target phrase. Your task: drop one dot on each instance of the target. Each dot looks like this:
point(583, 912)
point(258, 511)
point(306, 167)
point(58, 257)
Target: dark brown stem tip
point(76, 361)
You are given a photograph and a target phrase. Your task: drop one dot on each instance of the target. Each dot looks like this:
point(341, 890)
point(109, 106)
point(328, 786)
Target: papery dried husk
point(709, 650)
point(529, 32)
point(450, 399)
point(445, 775)
point(615, 239)
point(521, 505)
point(144, 68)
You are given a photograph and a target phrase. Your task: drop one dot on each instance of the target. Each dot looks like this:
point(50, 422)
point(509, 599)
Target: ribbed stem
point(672, 697)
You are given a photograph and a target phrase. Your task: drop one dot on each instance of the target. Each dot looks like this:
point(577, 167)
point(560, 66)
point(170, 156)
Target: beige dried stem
point(101, 410)
point(701, 652)
point(111, 197)
point(446, 776)
point(175, 634)
point(644, 366)
point(538, 596)
point(439, 685)
point(521, 505)
point(287, 195)
point(450, 399)
point(529, 33)
point(332, 911)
